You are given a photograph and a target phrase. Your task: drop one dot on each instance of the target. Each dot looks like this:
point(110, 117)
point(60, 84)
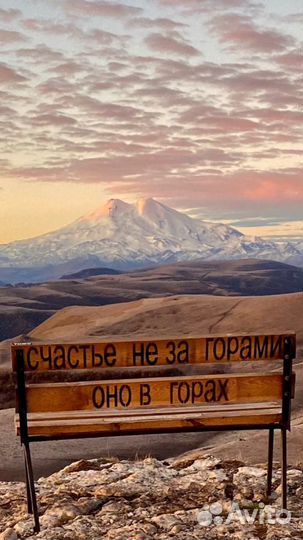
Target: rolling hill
point(24, 307)
point(177, 315)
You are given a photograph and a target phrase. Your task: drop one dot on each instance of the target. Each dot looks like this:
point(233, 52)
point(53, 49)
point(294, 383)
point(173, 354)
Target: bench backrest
point(154, 392)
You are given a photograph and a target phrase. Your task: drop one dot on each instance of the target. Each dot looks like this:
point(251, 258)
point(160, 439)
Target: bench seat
point(94, 423)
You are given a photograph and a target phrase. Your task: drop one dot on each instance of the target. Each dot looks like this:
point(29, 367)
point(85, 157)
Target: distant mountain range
point(89, 272)
point(126, 236)
point(24, 307)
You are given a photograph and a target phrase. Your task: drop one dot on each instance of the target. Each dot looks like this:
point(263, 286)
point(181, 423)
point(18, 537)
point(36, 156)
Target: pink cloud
point(67, 68)
point(162, 94)
point(160, 22)
point(278, 100)
point(53, 120)
point(244, 191)
point(100, 8)
point(56, 86)
point(9, 75)
point(292, 18)
point(173, 3)
point(271, 188)
point(291, 60)
point(240, 31)
point(101, 37)
point(9, 15)
point(202, 4)
point(227, 123)
point(166, 44)
point(40, 54)
point(48, 27)
point(117, 66)
point(98, 36)
point(6, 110)
point(209, 6)
point(33, 24)
point(274, 115)
point(122, 160)
point(170, 125)
point(252, 81)
point(10, 36)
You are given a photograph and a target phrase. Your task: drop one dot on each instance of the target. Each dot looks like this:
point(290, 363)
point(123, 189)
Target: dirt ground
point(51, 456)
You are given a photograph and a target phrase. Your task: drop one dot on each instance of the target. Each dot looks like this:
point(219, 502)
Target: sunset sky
point(193, 102)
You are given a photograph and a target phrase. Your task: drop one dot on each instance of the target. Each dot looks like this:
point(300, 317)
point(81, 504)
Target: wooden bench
point(259, 399)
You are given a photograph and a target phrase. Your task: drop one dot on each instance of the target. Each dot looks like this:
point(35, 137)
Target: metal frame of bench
point(283, 426)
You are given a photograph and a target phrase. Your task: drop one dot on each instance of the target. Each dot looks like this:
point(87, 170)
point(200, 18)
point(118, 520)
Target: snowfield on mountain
point(125, 236)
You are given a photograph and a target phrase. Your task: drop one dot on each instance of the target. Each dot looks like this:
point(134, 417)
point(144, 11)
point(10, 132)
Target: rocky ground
point(195, 496)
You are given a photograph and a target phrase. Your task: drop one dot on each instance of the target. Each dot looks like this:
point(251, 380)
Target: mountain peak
point(116, 205)
point(122, 235)
point(112, 207)
point(147, 205)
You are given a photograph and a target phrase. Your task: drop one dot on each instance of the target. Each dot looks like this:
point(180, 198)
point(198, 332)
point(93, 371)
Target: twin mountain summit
point(126, 236)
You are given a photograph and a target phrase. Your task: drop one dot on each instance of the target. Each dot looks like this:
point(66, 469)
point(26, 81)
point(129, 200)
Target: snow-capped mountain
point(124, 236)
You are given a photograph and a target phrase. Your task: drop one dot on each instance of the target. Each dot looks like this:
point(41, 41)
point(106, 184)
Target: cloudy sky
point(193, 102)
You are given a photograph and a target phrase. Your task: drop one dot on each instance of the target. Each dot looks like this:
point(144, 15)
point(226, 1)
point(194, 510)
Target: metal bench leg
point(284, 467)
point(31, 486)
point(270, 460)
point(28, 493)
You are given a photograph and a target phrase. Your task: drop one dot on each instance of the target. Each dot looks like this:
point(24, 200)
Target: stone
point(177, 528)
point(9, 534)
point(256, 472)
point(151, 500)
point(166, 521)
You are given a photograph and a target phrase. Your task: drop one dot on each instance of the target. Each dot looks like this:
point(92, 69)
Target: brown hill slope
point(24, 307)
point(177, 315)
point(182, 315)
point(159, 317)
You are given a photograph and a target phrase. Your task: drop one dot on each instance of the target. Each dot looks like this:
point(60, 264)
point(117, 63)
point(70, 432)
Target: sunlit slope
point(177, 315)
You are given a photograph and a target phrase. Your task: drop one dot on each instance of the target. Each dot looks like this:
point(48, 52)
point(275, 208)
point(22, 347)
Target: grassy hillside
point(24, 307)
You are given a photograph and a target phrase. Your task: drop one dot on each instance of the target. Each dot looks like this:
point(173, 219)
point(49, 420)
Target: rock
point(60, 514)
point(194, 456)
point(9, 534)
point(24, 528)
point(278, 489)
point(295, 472)
point(247, 492)
point(166, 521)
point(217, 474)
point(153, 500)
point(176, 529)
point(256, 472)
point(299, 492)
